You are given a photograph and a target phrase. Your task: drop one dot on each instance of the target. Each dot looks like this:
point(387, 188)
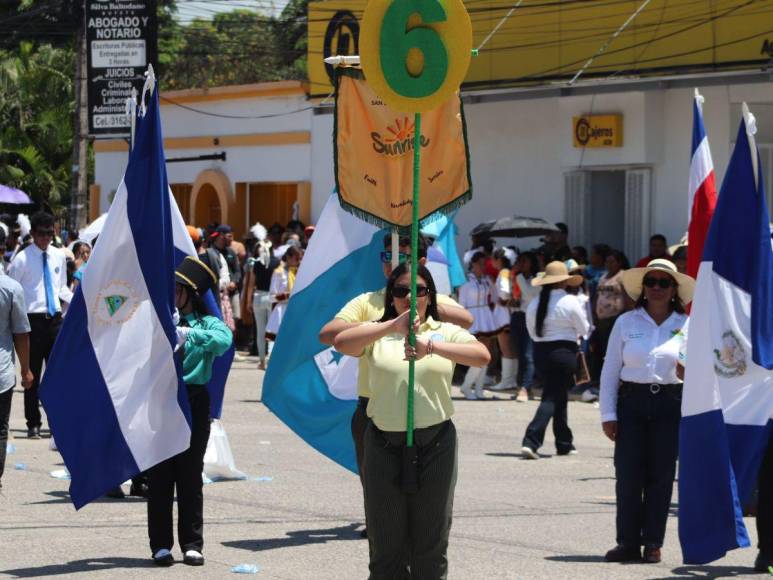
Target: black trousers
point(765, 504)
point(5, 413)
point(359, 424)
point(42, 337)
point(182, 471)
point(646, 449)
point(556, 362)
point(415, 524)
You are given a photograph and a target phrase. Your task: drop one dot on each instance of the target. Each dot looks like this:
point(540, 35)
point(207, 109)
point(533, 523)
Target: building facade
point(610, 160)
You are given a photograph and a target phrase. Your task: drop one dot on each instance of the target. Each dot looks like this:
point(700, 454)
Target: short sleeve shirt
point(13, 320)
point(389, 379)
point(369, 307)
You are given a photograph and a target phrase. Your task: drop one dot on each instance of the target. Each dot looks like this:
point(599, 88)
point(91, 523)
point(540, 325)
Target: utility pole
point(79, 204)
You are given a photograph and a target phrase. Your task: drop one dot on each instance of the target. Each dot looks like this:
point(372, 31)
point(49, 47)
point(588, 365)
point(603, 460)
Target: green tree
point(36, 104)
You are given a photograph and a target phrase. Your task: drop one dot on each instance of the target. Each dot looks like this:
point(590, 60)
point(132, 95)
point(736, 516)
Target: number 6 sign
point(415, 53)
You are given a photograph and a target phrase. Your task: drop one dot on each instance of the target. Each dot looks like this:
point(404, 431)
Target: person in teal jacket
point(201, 338)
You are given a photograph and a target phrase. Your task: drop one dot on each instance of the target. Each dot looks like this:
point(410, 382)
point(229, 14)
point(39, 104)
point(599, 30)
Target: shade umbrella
point(514, 227)
point(12, 195)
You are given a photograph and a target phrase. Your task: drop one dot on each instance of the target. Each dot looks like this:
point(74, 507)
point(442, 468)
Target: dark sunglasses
point(403, 291)
point(662, 282)
point(386, 257)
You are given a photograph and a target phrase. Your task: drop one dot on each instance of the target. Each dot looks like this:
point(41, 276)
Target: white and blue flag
point(442, 257)
point(727, 406)
point(113, 389)
point(310, 386)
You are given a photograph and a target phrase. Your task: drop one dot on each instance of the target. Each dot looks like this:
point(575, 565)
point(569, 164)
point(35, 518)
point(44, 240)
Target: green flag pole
point(414, 264)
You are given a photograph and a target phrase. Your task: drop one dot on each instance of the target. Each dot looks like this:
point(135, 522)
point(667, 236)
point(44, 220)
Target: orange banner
point(374, 156)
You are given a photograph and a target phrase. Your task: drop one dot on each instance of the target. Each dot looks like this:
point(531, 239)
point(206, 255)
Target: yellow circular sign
point(415, 53)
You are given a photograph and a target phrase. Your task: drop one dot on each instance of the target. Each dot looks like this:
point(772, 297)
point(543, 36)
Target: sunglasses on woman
point(386, 257)
point(664, 283)
point(403, 291)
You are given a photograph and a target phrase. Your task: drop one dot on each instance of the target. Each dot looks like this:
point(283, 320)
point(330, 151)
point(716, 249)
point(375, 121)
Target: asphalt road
point(299, 515)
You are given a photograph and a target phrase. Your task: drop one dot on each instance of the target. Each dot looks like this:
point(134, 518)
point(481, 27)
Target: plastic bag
point(218, 459)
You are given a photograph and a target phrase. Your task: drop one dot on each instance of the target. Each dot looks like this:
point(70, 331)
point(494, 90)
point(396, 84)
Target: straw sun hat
point(633, 278)
point(556, 272)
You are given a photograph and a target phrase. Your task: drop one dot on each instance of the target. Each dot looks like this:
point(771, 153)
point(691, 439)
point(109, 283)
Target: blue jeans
point(524, 348)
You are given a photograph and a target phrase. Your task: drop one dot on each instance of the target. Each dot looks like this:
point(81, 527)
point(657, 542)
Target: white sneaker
point(239, 358)
point(528, 453)
point(193, 558)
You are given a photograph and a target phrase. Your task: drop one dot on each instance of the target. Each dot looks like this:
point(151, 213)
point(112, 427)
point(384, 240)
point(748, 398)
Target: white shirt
point(565, 318)
point(639, 351)
point(528, 292)
point(27, 269)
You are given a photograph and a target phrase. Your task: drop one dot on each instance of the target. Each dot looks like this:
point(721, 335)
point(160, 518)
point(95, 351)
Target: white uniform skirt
point(501, 317)
point(275, 320)
point(483, 321)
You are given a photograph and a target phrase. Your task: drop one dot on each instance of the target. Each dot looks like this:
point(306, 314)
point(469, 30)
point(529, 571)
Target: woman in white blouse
point(282, 282)
point(554, 321)
point(641, 405)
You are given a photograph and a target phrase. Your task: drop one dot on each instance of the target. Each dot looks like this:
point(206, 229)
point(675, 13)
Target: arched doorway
point(211, 198)
point(207, 210)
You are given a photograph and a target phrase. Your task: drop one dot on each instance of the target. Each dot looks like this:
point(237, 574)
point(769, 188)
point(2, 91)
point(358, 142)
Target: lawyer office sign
point(121, 42)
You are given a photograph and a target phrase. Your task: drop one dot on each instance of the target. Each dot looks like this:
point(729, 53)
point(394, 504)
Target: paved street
point(552, 518)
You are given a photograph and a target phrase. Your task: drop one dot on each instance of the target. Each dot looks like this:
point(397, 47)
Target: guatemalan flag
point(113, 389)
point(703, 189)
point(727, 408)
point(310, 386)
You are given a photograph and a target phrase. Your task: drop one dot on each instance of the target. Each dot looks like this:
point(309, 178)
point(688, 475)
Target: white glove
point(176, 317)
point(182, 335)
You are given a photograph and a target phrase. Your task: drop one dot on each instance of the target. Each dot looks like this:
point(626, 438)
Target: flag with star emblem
point(308, 385)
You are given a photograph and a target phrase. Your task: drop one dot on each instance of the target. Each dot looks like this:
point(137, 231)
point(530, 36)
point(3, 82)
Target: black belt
point(653, 388)
point(44, 316)
point(423, 437)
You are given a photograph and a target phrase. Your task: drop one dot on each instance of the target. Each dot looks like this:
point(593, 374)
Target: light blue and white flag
point(113, 389)
point(310, 386)
point(443, 229)
point(727, 406)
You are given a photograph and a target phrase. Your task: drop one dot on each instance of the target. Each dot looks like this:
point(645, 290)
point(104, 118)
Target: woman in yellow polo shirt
point(406, 526)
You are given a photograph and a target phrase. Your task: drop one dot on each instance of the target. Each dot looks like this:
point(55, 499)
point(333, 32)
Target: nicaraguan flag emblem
point(116, 303)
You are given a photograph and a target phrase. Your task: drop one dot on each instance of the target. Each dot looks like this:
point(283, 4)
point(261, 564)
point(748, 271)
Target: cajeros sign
point(597, 131)
point(121, 41)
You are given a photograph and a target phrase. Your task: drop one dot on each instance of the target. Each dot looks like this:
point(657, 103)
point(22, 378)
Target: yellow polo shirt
point(369, 307)
point(388, 372)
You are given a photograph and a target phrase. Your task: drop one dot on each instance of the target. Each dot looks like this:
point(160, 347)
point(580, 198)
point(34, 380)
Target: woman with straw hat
point(554, 323)
point(641, 398)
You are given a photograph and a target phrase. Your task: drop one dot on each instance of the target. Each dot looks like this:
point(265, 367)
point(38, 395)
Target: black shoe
point(116, 493)
point(163, 558)
point(763, 563)
point(364, 533)
point(33, 433)
point(621, 553)
point(139, 490)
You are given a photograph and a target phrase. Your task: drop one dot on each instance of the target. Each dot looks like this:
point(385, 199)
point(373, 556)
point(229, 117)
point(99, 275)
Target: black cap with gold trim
point(195, 274)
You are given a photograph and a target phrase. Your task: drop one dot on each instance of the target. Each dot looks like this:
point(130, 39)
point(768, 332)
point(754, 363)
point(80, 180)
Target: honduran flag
point(113, 389)
point(727, 407)
point(311, 387)
point(703, 189)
